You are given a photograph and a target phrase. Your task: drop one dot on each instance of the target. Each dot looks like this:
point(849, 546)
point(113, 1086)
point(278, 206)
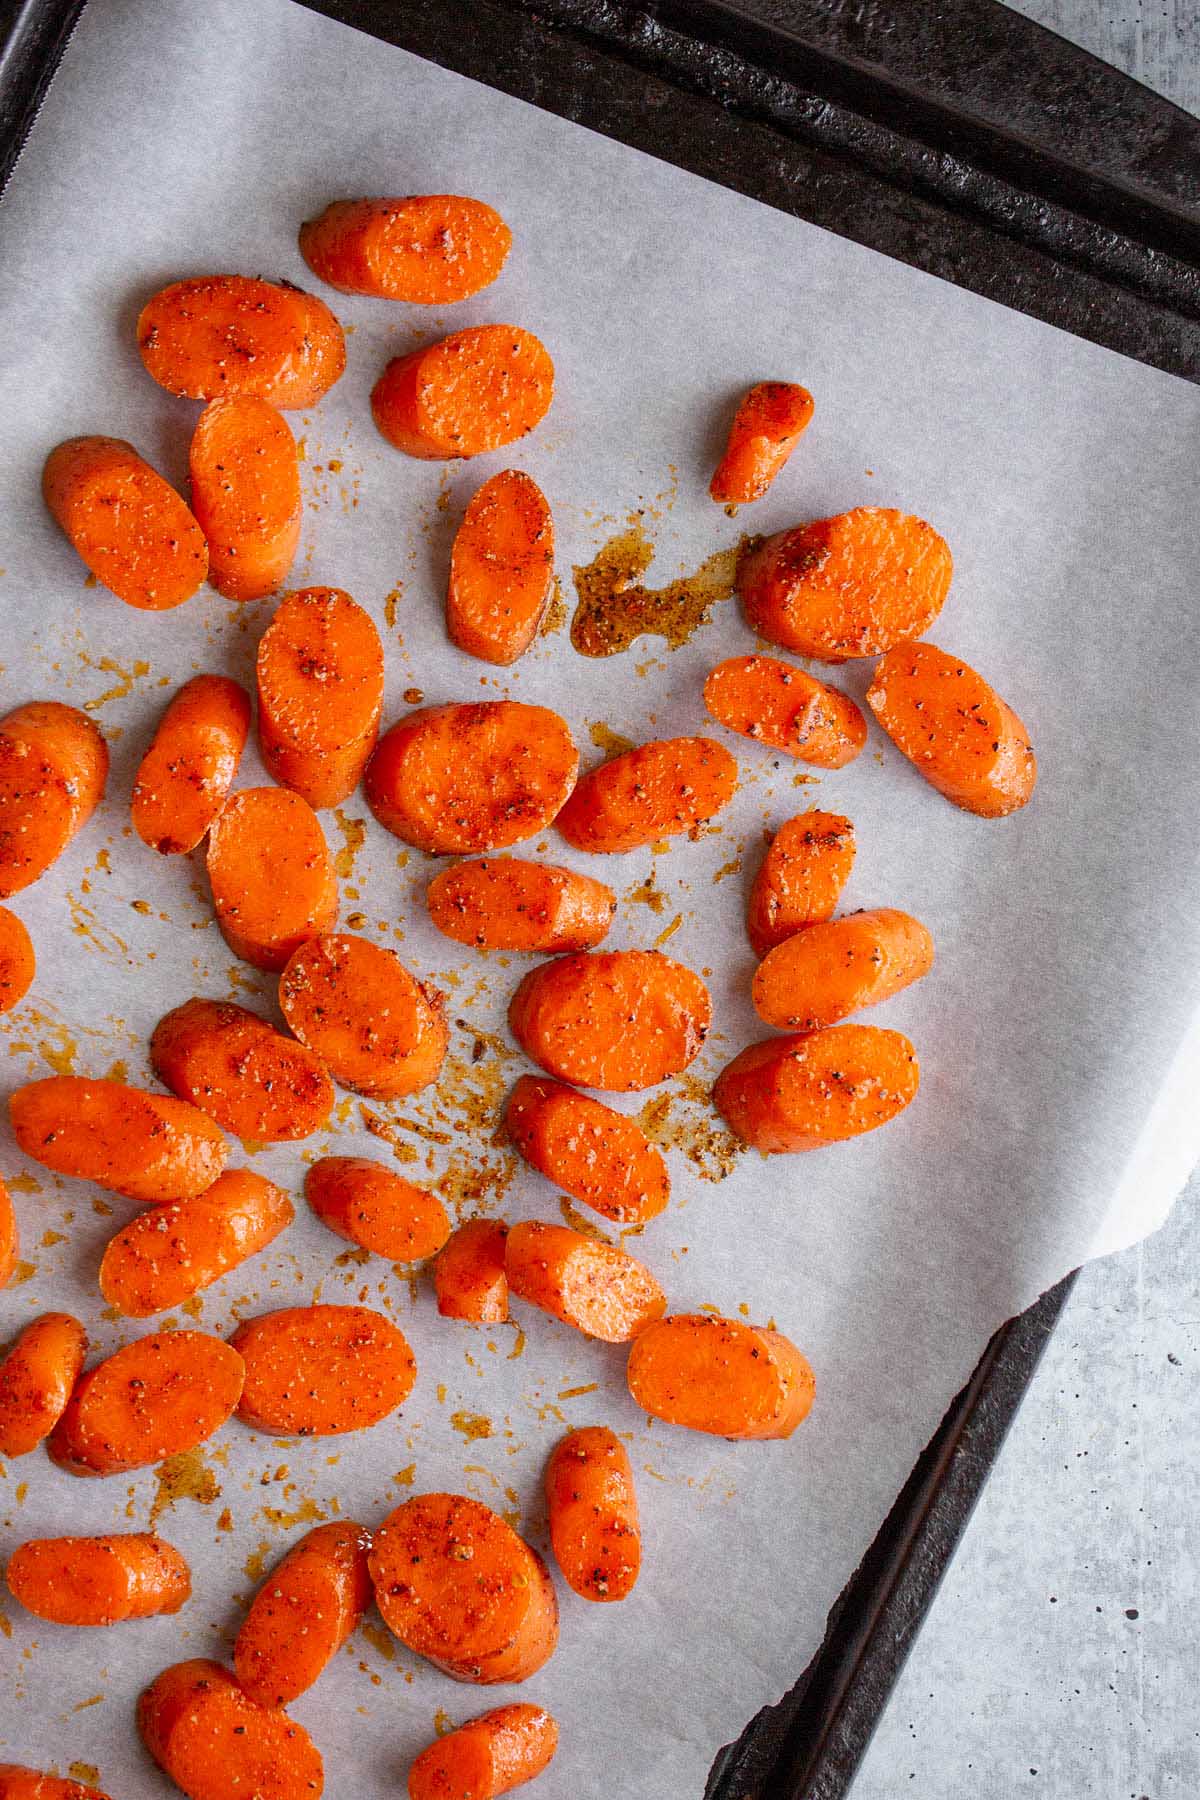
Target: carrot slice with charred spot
point(469, 1273)
point(428, 249)
point(601, 1157)
point(770, 420)
point(593, 1287)
point(184, 778)
point(774, 703)
point(376, 1028)
point(320, 690)
point(505, 903)
point(720, 1376)
point(157, 1397)
point(501, 569)
point(593, 1511)
point(828, 971)
point(149, 1147)
point(10, 1237)
point(168, 1254)
point(245, 477)
point(800, 878)
point(37, 1378)
point(317, 1371)
point(215, 1743)
point(272, 877)
point(18, 964)
point(488, 1756)
point(236, 1067)
point(98, 1580)
point(477, 390)
point(618, 1019)
point(800, 1093)
point(53, 767)
point(237, 334)
point(19, 1783)
point(657, 790)
point(302, 1614)
point(371, 1206)
point(129, 525)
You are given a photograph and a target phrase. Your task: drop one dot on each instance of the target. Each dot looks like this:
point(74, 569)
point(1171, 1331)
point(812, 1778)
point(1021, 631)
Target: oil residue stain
point(124, 684)
point(256, 1563)
point(391, 601)
point(580, 1222)
point(471, 1425)
point(183, 1477)
point(608, 740)
point(683, 1120)
point(354, 836)
point(442, 1723)
point(86, 1772)
point(379, 1640)
point(615, 609)
point(555, 615)
point(644, 893)
point(307, 1513)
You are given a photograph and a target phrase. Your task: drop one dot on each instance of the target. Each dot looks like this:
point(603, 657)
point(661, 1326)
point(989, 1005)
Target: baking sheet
point(1056, 1035)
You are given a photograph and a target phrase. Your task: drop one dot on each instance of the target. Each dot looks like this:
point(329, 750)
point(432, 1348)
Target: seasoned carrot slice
point(237, 334)
point(657, 790)
point(452, 780)
point(245, 476)
point(37, 1378)
point(600, 1157)
point(129, 525)
point(721, 1376)
point(828, 971)
point(243, 1073)
point(501, 569)
point(53, 767)
point(852, 585)
point(215, 1743)
point(10, 1237)
point(18, 965)
point(146, 1146)
point(172, 1252)
point(506, 903)
point(617, 1019)
point(98, 1580)
point(954, 729)
point(775, 703)
point(800, 878)
point(799, 1093)
point(428, 249)
point(488, 1756)
point(593, 1510)
point(596, 1288)
point(272, 877)
point(476, 390)
point(157, 1397)
point(20, 1783)
point(303, 1613)
point(320, 690)
point(469, 1273)
point(316, 1371)
point(371, 1206)
point(376, 1028)
point(770, 420)
point(185, 776)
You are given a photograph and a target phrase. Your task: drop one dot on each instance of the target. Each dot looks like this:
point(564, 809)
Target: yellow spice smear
point(615, 609)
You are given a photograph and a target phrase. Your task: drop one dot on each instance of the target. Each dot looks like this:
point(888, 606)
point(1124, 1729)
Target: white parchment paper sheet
point(1055, 1117)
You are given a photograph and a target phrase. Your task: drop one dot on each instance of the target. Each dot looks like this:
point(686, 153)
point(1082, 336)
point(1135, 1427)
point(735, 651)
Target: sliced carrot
point(600, 1157)
point(800, 878)
point(828, 971)
point(245, 476)
point(272, 877)
point(506, 903)
point(488, 1756)
point(954, 729)
point(10, 1237)
point(457, 1585)
point(18, 965)
point(20, 1783)
point(303, 1613)
point(593, 1287)
point(37, 1378)
point(452, 780)
point(775, 703)
point(657, 790)
point(852, 585)
point(721, 1376)
point(316, 1371)
point(375, 1208)
point(185, 776)
point(376, 1028)
point(215, 1743)
point(799, 1093)
point(149, 1147)
point(428, 249)
point(157, 1397)
point(618, 1019)
point(243, 1073)
point(173, 1252)
point(476, 390)
point(98, 1580)
point(770, 420)
point(594, 1525)
point(237, 334)
point(53, 767)
point(469, 1273)
point(129, 525)
point(320, 690)
point(501, 569)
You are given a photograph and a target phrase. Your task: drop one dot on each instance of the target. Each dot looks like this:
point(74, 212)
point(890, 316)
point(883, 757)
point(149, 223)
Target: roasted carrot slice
point(656, 791)
point(272, 877)
point(721, 1376)
point(852, 585)
point(98, 1580)
point(376, 1028)
point(506, 903)
point(799, 1093)
point(955, 730)
point(129, 525)
point(37, 1378)
point(600, 1157)
point(488, 1756)
point(596, 1288)
point(245, 476)
point(10, 1237)
point(468, 1275)
point(303, 1613)
point(320, 690)
point(501, 569)
point(53, 767)
point(243, 1073)
point(148, 1147)
point(828, 971)
point(236, 334)
point(215, 1743)
point(316, 1371)
point(476, 390)
point(20, 1783)
point(618, 1019)
point(172, 1252)
point(157, 1397)
point(593, 1510)
point(18, 965)
point(428, 249)
point(185, 776)
point(375, 1208)
point(775, 703)
point(452, 780)
point(800, 878)
point(770, 420)
point(457, 1585)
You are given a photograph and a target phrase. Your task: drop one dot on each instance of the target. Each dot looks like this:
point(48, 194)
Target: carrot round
point(37, 1378)
point(428, 249)
point(376, 1028)
point(601, 1157)
point(799, 1093)
point(375, 1208)
point(18, 965)
point(157, 1397)
point(456, 1584)
point(250, 1078)
point(770, 420)
point(593, 1508)
point(775, 703)
point(10, 1236)
point(302, 1614)
point(617, 1019)
point(955, 730)
point(215, 1743)
point(149, 1147)
point(800, 878)
point(320, 690)
point(486, 1757)
point(98, 1580)
point(171, 1252)
point(852, 585)
point(245, 478)
point(20, 1783)
point(53, 767)
point(468, 1275)
point(453, 780)
point(657, 790)
point(501, 569)
point(317, 1371)
point(476, 390)
point(593, 1287)
point(237, 334)
point(721, 1376)
point(272, 877)
point(828, 971)
point(184, 778)
point(506, 903)
point(129, 525)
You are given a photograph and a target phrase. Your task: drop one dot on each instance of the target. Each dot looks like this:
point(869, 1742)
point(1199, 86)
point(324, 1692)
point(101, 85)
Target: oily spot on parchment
point(682, 1118)
point(184, 1476)
point(614, 607)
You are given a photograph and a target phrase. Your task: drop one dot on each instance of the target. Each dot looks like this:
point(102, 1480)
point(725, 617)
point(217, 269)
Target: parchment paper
point(1057, 1114)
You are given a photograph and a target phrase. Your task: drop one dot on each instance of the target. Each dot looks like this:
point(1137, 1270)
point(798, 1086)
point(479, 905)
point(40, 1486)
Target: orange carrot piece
point(243, 1073)
point(318, 1371)
point(20, 1783)
point(172, 1252)
point(955, 730)
point(617, 1019)
point(146, 1146)
point(130, 527)
point(303, 1613)
point(370, 1205)
point(601, 1157)
point(657, 790)
point(770, 420)
point(720, 1376)
point(98, 1580)
point(272, 877)
point(157, 1397)
point(320, 690)
point(799, 1093)
point(453, 780)
point(468, 1274)
point(18, 964)
point(237, 334)
point(506, 903)
point(775, 703)
point(828, 971)
point(215, 1744)
point(245, 476)
point(37, 1378)
point(10, 1236)
point(593, 1508)
point(476, 390)
point(185, 776)
point(427, 249)
point(53, 767)
point(852, 585)
point(501, 569)
point(800, 878)
point(595, 1288)
point(376, 1028)
point(488, 1756)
